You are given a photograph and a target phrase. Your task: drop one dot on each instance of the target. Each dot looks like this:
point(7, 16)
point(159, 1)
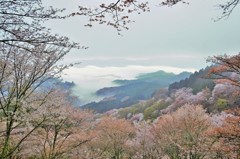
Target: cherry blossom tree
point(227, 7)
point(64, 132)
point(181, 134)
point(112, 138)
point(28, 57)
point(226, 134)
point(185, 96)
point(226, 69)
point(48, 127)
point(119, 11)
point(144, 143)
point(227, 73)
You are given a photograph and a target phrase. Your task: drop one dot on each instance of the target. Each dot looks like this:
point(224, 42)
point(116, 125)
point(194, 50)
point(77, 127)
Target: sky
point(179, 36)
point(174, 39)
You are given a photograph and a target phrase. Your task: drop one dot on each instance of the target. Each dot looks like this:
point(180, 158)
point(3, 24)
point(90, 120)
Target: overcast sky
point(174, 39)
point(180, 36)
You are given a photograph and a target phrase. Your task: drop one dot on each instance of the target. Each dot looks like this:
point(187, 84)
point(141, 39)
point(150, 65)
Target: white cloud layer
point(91, 78)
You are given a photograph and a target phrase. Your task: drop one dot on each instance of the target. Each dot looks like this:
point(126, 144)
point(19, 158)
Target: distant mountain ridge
point(132, 91)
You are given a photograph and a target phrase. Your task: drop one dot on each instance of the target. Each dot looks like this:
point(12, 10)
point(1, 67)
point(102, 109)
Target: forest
point(194, 118)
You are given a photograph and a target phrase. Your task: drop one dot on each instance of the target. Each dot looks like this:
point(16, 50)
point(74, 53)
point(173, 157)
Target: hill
point(196, 81)
point(132, 91)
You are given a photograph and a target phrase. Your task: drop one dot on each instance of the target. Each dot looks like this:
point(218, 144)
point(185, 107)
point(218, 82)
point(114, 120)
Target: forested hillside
point(132, 91)
point(150, 117)
point(197, 81)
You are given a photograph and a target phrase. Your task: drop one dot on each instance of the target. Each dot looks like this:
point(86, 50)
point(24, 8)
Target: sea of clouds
point(89, 79)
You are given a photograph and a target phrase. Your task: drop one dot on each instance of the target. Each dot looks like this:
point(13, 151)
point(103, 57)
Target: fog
point(89, 79)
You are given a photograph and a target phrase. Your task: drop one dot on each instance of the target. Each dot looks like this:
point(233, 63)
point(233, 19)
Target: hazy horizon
point(89, 79)
point(182, 36)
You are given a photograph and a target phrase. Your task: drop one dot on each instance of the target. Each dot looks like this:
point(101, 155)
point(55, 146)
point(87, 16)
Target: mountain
point(132, 91)
point(189, 90)
point(196, 89)
point(196, 81)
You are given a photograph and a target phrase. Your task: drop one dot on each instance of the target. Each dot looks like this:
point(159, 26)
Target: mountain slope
point(195, 81)
point(132, 91)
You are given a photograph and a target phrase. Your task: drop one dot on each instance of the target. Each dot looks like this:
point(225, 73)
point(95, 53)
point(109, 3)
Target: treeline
point(66, 132)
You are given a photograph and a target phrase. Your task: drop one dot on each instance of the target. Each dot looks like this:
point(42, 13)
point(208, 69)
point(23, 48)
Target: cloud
point(91, 78)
